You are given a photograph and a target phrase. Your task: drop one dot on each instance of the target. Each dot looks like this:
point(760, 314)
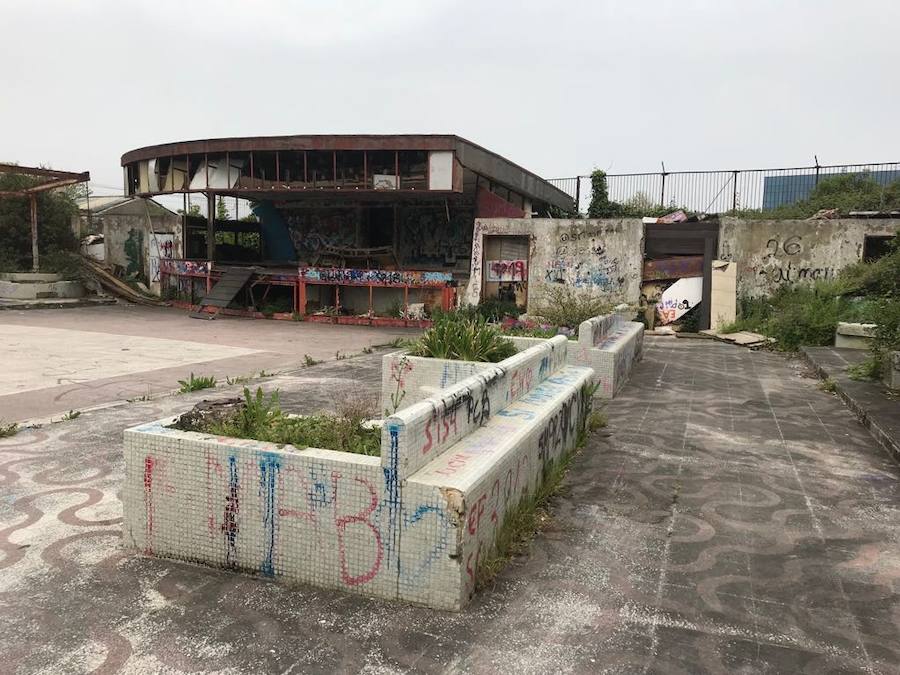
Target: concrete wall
point(603, 257)
point(773, 253)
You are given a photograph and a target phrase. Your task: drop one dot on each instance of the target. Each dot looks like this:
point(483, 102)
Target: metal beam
point(38, 171)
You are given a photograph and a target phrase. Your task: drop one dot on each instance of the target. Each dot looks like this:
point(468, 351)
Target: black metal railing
point(719, 191)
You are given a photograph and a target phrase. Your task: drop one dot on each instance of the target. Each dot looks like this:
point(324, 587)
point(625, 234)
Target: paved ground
point(735, 519)
point(60, 360)
point(873, 403)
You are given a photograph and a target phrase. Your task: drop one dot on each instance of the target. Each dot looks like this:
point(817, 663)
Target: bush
point(463, 337)
point(261, 419)
point(807, 315)
point(55, 211)
point(565, 306)
point(494, 309)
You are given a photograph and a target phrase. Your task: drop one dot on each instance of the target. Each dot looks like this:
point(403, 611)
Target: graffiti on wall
point(581, 259)
point(311, 231)
point(784, 262)
point(362, 277)
point(507, 270)
point(427, 237)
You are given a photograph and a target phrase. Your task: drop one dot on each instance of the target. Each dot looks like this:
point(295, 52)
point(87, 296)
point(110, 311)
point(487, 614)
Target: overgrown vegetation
point(261, 418)
point(565, 306)
point(807, 315)
point(196, 383)
point(495, 310)
point(55, 208)
point(463, 337)
point(845, 192)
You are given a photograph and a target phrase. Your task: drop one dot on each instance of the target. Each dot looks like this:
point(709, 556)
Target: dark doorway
point(877, 246)
point(686, 239)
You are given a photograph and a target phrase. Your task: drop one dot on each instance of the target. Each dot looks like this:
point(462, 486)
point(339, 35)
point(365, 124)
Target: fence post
point(662, 193)
point(734, 178)
point(577, 195)
point(817, 170)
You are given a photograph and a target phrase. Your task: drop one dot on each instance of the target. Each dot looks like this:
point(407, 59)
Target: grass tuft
point(196, 383)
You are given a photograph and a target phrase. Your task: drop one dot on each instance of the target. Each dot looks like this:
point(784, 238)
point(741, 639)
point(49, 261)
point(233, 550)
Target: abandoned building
point(130, 235)
point(352, 228)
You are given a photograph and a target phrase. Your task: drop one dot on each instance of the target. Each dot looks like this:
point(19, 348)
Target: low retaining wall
point(854, 335)
point(609, 345)
point(413, 524)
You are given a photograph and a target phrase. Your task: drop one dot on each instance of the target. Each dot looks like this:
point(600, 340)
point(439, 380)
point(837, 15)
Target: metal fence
point(719, 191)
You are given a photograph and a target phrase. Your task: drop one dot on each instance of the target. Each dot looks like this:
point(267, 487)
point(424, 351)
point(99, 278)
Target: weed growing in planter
point(196, 383)
point(565, 306)
point(7, 430)
point(463, 337)
point(260, 418)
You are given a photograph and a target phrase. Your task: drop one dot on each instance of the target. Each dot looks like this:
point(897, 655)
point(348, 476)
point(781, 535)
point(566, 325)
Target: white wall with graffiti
point(602, 257)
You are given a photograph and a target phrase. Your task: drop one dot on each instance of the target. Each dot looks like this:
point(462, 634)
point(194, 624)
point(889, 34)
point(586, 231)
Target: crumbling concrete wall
point(774, 253)
point(603, 257)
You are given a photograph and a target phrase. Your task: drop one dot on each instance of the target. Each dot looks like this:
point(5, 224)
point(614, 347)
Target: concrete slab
point(75, 359)
point(876, 407)
point(734, 518)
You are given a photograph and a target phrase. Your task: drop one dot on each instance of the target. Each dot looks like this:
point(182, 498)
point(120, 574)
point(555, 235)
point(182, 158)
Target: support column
point(210, 226)
point(34, 234)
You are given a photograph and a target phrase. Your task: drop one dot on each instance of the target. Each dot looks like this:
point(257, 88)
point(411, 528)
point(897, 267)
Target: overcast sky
point(559, 87)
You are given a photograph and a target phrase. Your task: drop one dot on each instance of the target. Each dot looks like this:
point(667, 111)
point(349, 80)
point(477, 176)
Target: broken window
point(320, 168)
point(350, 167)
point(413, 169)
point(383, 169)
point(292, 167)
point(264, 166)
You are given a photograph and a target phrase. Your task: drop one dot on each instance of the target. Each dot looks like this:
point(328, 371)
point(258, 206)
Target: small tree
point(221, 209)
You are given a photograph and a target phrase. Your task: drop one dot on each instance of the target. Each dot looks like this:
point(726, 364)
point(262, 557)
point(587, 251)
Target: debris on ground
point(743, 338)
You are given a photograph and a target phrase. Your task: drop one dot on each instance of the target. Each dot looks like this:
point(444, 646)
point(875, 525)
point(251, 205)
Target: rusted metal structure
point(44, 180)
point(355, 202)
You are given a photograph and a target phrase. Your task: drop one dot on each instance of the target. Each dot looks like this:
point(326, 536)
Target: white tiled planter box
point(412, 524)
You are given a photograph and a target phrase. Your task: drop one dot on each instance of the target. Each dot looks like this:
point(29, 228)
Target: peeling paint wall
point(128, 239)
point(774, 253)
point(602, 257)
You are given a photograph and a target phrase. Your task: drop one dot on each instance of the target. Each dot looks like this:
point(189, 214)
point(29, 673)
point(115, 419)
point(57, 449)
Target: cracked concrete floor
point(71, 359)
point(732, 518)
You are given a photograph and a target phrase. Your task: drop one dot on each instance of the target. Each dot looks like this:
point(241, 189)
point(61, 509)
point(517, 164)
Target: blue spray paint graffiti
point(269, 466)
point(392, 487)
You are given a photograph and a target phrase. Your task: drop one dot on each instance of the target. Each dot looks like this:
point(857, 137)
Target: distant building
point(790, 188)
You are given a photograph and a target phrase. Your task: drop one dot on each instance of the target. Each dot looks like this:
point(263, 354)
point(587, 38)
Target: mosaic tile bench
point(609, 344)
point(412, 525)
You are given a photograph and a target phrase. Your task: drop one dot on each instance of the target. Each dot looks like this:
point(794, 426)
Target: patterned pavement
point(732, 518)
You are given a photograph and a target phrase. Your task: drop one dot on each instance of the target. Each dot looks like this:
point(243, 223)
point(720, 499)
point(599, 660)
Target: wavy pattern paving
point(734, 519)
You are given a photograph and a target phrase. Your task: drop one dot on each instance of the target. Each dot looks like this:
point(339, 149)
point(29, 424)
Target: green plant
point(399, 393)
point(596, 420)
point(367, 350)
point(494, 309)
point(265, 373)
point(340, 357)
point(309, 361)
point(71, 415)
point(600, 205)
point(239, 379)
point(64, 263)
point(460, 337)
point(8, 429)
point(261, 418)
point(828, 385)
point(563, 305)
point(196, 383)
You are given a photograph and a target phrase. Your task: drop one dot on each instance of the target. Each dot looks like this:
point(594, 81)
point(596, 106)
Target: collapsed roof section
point(298, 167)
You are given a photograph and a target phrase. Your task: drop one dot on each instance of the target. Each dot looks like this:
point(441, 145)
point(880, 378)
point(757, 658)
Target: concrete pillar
point(210, 226)
point(34, 234)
